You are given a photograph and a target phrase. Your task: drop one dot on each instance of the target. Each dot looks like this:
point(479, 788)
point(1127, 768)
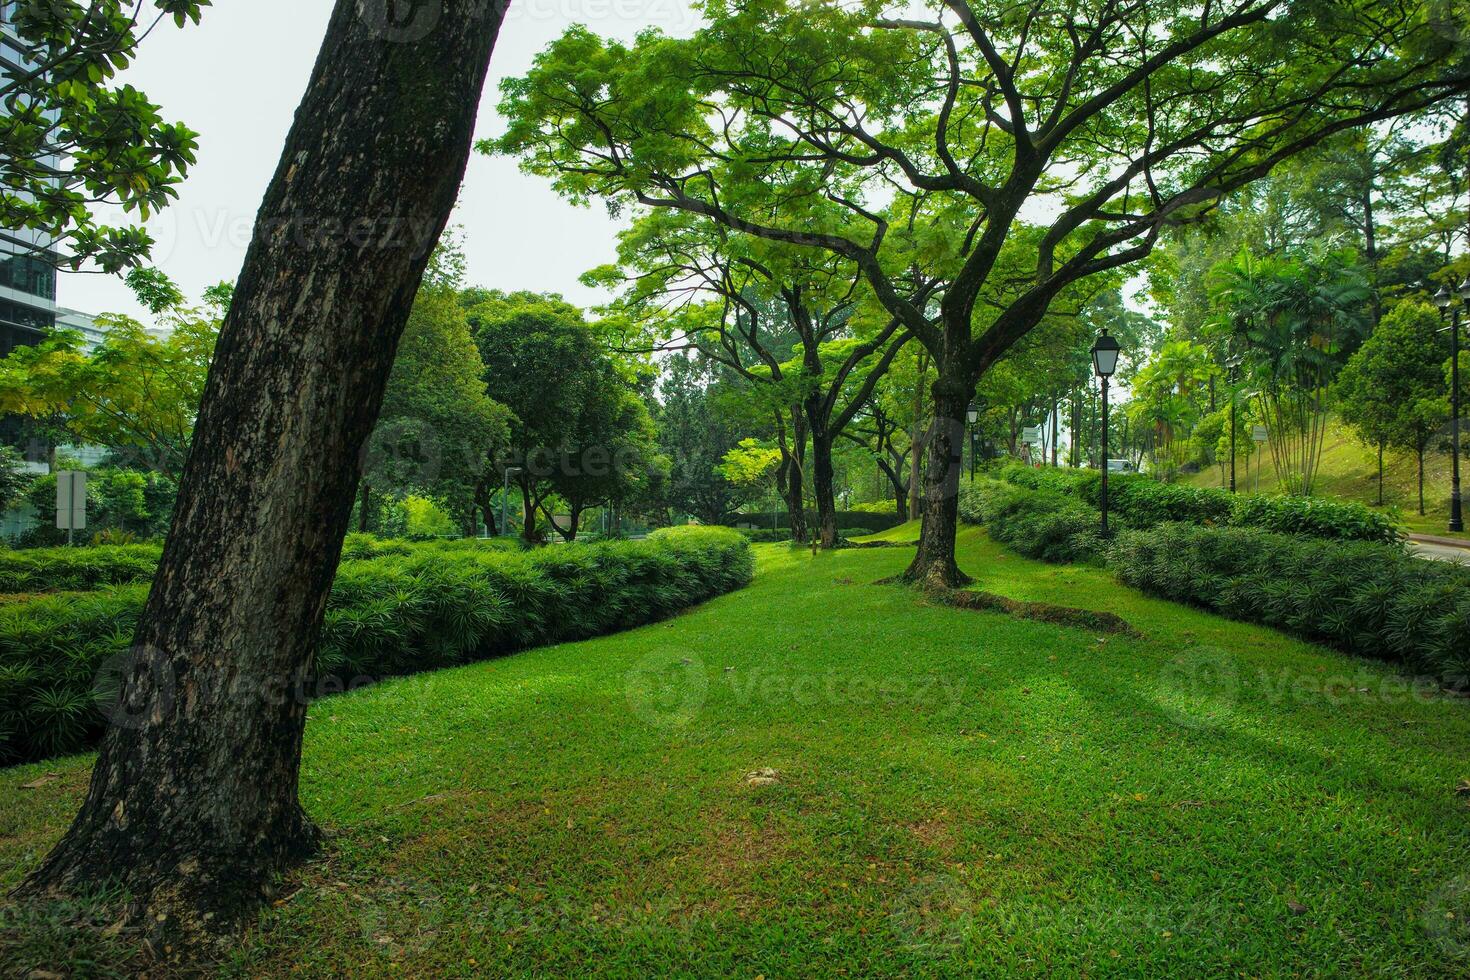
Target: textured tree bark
point(935, 564)
point(822, 473)
point(193, 802)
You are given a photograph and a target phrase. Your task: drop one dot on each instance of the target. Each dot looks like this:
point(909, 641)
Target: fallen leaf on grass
point(40, 781)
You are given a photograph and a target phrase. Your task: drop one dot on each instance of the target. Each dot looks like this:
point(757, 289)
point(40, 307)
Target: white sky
point(236, 80)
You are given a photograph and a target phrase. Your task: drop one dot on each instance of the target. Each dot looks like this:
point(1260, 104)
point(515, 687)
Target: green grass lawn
point(954, 793)
point(1349, 470)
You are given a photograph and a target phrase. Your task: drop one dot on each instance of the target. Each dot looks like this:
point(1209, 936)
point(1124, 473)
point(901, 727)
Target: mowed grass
point(954, 793)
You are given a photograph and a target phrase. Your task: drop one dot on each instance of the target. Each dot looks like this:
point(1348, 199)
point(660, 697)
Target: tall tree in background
point(1392, 389)
point(695, 434)
point(789, 319)
point(931, 133)
point(193, 802)
point(438, 429)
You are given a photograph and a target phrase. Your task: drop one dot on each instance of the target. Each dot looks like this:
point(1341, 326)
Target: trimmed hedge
point(1365, 598)
point(77, 569)
point(1035, 523)
point(1143, 502)
point(84, 568)
point(395, 614)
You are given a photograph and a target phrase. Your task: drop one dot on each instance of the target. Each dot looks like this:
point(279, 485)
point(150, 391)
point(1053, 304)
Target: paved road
point(1438, 551)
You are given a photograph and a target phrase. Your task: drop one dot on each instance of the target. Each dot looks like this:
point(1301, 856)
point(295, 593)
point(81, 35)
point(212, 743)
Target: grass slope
point(1349, 470)
point(956, 792)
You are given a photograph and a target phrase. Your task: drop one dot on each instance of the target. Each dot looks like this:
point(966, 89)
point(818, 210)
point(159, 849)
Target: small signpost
point(71, 502)
point(1259, 437)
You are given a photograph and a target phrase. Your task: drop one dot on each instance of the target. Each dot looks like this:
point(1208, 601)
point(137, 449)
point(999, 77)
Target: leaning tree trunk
point(935, 561)
point(193, 801)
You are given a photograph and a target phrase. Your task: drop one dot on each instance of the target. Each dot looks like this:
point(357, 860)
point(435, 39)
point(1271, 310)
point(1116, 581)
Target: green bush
point(76, 569)
point(1142, 502)
point(79, 569)
point(1314, 517)
point(1363, 597)
point(1035, 523)
point(394, 614)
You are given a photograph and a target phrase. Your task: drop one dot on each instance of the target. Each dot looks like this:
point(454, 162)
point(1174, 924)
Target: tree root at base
point(1042, 612)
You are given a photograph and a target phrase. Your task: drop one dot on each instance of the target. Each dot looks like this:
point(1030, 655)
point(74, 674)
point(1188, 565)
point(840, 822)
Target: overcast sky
point(236, 80)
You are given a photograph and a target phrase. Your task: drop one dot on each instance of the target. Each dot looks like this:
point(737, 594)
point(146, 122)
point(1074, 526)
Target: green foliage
point(439, 428)
point(1370, 599)
point(695, 431)
point(424, 608)
point(14, 480)
point(1035, 523)
point(137, 394)
point(1142, 503)
point(77, 569)
point(73, 138)
point(120, 500)
point(1314, 517)
point(579, 431)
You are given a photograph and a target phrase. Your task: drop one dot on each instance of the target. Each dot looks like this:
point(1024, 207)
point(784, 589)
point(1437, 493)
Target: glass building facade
point(27, 270)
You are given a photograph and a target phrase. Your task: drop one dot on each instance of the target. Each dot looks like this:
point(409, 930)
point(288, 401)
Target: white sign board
point(71, 500)
point(1259, 433)
point(1031, 435)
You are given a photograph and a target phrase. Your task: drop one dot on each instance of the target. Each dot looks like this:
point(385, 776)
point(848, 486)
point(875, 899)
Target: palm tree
point(1295, 319)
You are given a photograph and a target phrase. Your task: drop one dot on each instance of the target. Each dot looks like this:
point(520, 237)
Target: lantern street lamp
point(1105, 361)
point(1445, 300)
point(972, 415)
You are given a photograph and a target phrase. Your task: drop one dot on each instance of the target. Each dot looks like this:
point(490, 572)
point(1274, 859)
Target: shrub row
point(1365, 598)
point(80, 569)
point(390, 615)
point(76, 569)
point(1035, 523)
point(1143, 502)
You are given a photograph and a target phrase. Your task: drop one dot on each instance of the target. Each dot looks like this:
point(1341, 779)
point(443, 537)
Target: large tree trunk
point(193, 800)
point(935, 561)
point(822, 473)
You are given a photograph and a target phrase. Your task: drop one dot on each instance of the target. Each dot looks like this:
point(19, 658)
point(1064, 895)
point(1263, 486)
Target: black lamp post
point(1445, 300)
point(1105, 360)
point(972, 415)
